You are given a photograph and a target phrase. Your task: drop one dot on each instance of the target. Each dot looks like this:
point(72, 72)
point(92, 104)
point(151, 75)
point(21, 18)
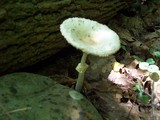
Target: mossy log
point(29, 29)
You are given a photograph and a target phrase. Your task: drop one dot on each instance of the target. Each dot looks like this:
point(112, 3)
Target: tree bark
point(29, 29)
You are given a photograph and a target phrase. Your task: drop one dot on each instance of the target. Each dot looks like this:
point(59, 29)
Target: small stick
point(16, 110)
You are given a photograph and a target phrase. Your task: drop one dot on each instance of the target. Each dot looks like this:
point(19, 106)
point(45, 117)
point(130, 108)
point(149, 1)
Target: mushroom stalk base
point(81, 68)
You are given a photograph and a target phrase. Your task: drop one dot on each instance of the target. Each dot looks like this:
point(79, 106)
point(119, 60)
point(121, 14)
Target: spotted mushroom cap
point(90, 36)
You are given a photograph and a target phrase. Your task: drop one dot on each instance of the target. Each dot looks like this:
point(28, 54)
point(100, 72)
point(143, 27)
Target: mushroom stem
point(81, 68)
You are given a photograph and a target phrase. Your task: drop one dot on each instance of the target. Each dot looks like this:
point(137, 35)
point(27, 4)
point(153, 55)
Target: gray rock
point(27, 96)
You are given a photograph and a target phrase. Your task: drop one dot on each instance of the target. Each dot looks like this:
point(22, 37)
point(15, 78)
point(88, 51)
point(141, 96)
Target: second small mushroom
point(90, 37)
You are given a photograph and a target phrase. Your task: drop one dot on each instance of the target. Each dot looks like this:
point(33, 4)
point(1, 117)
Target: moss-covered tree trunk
point(29, 29)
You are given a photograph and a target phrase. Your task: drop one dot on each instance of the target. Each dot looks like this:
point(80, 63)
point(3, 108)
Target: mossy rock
point(27, 96)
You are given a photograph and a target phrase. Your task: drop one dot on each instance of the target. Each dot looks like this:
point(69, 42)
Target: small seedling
point(141, 94)
point(155, 77)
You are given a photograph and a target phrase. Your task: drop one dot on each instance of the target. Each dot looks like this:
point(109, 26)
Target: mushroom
point(153, 68)
point(90, 37)
point(148, 67)
point(143, 65)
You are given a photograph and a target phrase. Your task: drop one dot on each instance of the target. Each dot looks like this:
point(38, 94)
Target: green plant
point(151, 61)
point(137, 58)
point(155, 77)
point(124, 47)
point(143, 97)
point(141, 94)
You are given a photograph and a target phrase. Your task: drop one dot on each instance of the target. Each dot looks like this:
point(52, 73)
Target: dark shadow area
point(63, 62)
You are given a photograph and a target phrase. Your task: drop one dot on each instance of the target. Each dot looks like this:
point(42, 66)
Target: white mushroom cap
point(143, 65)
point(90, 36)
point(153, 68)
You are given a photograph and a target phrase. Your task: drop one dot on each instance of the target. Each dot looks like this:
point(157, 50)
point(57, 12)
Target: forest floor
point(110, 85)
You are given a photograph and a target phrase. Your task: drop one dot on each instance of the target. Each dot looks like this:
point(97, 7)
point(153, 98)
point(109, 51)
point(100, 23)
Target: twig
point(16, 110)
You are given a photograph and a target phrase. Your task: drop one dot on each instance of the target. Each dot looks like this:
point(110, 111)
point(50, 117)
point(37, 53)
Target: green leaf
point(156, 53)
point(123, 47)
point(150, 61)
point(144, 98)
point(137, 58)
point(138, 87)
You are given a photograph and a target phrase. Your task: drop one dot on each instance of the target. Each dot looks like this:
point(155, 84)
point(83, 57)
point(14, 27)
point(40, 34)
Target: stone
point(28, 96)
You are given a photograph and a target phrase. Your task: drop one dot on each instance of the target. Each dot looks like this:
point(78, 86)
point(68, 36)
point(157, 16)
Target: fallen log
point(29, 29)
